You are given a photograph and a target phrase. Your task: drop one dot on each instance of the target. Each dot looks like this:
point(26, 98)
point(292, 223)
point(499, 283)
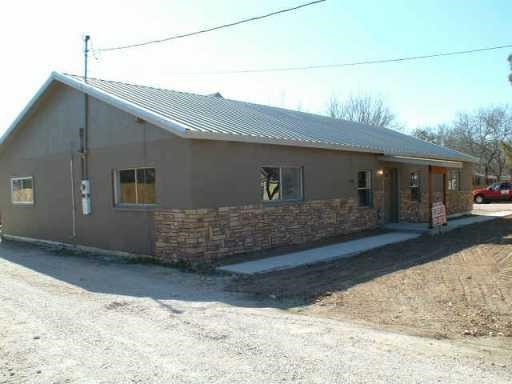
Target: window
point(414, 186)
point(364, 188)
point(453, 180)
point(135, 186)
point(281, 183)
point(22, 190)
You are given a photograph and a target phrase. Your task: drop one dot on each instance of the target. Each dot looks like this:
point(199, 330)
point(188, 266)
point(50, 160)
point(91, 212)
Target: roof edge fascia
point(24, 112)
point(311, 144)
point(124, 105)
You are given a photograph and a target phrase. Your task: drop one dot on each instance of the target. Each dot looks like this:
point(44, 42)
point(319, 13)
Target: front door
point(391, 195)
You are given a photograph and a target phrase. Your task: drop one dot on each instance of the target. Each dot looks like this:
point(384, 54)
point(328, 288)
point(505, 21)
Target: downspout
point(73, 203)
point(84, 149)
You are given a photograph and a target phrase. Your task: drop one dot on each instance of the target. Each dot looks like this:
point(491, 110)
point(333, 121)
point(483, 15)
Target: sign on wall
point(438, 214)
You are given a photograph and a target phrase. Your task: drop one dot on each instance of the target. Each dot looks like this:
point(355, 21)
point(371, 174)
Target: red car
point(494, 192)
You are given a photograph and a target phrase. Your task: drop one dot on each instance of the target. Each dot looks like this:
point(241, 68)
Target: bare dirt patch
point(454, 285)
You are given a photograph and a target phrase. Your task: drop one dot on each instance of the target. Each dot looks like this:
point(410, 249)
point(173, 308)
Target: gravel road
point(66, 319)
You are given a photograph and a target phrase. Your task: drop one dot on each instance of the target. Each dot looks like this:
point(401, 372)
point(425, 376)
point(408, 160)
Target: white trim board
point(421, 161)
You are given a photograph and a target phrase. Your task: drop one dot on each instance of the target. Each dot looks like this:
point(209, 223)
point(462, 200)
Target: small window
point(135, 186)
point(22, 190)
point(453, 180)
point(364, 188)
point(281, 183)
point(414, 186)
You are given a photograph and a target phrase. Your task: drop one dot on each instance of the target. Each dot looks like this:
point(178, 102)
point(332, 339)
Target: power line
point(251, 19)
point(349, 64)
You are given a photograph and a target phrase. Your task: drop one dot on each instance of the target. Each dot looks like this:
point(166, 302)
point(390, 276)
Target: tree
point(507, 150)
point(364, 109)
point(436, 135)
point(483, 134)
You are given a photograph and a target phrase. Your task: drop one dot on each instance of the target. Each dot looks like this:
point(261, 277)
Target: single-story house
point(181, 176)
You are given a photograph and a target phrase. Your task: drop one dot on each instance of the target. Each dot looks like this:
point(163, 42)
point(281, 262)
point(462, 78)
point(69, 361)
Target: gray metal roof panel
point(223, 118)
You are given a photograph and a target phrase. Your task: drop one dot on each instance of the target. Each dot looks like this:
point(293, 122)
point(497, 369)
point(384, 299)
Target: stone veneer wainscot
point(412, 211)
point(208, 235)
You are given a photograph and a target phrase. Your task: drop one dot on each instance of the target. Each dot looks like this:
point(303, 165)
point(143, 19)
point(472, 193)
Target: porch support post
point(445, 191)
point(445, 187)
point(430, 221)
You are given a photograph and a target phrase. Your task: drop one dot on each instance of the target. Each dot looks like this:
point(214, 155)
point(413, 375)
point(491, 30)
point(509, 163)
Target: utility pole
point(510, 61)
point(86, 55)
point(85, 186)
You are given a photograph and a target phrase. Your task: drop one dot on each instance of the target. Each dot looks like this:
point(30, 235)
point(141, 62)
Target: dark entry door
point(391, 195)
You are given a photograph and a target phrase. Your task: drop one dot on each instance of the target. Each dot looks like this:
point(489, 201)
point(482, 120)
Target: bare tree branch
point(483, 133)
point(364, 109)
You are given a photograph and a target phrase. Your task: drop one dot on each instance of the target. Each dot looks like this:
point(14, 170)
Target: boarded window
point(281, 183)
point(136, 186)
point(22, 190)
point(364, 188)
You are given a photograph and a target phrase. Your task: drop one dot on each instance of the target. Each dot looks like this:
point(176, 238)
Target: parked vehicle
point(494, 192)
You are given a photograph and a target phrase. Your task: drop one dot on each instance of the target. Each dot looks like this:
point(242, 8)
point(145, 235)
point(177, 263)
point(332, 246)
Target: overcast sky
point(37, 37)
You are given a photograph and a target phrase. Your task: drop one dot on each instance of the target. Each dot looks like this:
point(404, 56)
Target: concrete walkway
point(317, 255)
point(476, 217)
point(404, 231)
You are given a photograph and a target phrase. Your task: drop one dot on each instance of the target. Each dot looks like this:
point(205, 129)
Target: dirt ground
point(82, 320)
point(457, 285)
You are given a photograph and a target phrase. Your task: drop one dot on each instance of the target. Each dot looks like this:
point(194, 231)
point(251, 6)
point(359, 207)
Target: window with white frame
point(414, 186)
point(281, 183)
point(364, 188)
point(22, 190)
point(135, 186)
point(454, 180)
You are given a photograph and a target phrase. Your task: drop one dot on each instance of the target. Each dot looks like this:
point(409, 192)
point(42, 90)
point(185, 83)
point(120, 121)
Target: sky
point(38, 37)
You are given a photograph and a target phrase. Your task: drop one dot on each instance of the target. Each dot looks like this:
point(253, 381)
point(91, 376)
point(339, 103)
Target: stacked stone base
point(459, 202)
point(208, 235)
point(418, 211)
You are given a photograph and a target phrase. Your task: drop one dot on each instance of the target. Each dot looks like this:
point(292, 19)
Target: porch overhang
point(421, 161)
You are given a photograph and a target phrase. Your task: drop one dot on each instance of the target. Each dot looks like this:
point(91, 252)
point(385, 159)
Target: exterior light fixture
point(380, 172)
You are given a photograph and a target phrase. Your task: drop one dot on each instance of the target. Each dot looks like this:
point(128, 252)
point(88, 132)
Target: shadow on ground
point(105, 275)
point(283, 289)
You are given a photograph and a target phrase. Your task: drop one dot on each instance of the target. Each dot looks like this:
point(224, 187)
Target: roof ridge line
point(145, 86)
point(212, 97)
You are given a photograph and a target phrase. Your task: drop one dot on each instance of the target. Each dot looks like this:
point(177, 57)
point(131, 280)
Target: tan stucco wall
point(190, 173)
point(43, 148)
point(227, 173)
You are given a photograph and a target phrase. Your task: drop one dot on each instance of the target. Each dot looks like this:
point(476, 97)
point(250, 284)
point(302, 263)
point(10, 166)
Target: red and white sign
point(438, 214)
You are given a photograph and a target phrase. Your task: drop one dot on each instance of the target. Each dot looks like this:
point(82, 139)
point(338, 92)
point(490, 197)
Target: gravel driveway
point(66, 319)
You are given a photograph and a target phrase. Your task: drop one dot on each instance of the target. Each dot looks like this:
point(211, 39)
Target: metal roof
point(208, 117)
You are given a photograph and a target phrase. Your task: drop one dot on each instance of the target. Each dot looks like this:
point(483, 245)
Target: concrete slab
point(480, 212)
point(476, 217)
point(404, 231)
point(407, 227)
point(317, 255)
